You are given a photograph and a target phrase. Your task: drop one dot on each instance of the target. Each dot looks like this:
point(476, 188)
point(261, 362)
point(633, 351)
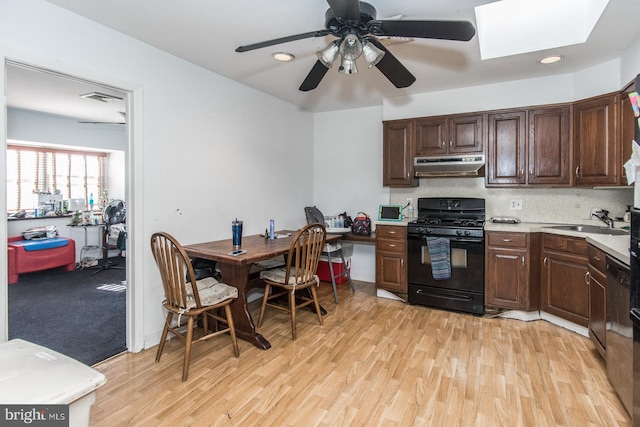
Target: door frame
point(133, 191)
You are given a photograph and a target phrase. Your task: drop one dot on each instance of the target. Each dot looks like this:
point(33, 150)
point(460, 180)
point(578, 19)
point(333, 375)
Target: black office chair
point(329, 250)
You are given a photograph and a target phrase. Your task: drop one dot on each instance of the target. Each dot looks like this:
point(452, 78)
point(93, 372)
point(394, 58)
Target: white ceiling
point(47, 92)
point(206, 33)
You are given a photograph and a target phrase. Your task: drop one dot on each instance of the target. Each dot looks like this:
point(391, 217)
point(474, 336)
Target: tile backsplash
point(562, 205)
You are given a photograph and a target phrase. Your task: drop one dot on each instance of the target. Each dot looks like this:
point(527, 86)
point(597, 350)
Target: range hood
point(453, 166)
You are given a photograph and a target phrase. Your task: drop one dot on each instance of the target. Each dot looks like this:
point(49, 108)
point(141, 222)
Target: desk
point(84, 259)
point(235, 272)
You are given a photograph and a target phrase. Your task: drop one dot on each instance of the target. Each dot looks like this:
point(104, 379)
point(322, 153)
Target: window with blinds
point(32, 171)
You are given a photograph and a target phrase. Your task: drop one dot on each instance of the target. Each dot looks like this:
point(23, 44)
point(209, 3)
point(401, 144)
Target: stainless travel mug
point(236, 232)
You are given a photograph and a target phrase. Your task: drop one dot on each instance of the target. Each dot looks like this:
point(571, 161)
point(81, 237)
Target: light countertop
point(615, 246)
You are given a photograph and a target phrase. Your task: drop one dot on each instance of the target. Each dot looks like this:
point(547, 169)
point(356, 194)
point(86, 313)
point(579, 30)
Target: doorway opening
point(49, 111)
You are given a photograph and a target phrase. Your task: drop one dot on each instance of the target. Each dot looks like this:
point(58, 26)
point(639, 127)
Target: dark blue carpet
point(66, 312)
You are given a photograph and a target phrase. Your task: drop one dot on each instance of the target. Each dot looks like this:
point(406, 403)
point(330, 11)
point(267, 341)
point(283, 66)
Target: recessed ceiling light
point(551, 59)
point(283, 56)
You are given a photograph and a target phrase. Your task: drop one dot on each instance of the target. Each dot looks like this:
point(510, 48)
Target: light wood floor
point(374, 362)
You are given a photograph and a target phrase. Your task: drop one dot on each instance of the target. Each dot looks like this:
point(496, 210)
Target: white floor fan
point(113, 213)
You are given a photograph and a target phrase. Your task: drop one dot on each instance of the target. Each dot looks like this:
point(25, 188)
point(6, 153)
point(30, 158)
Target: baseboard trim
point(528, 316)
point(381, 293)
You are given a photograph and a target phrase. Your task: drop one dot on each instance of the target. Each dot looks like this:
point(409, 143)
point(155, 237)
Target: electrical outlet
point(409, 201)
point(515, 204)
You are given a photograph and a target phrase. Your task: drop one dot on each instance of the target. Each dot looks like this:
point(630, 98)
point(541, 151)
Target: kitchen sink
point(591, 229)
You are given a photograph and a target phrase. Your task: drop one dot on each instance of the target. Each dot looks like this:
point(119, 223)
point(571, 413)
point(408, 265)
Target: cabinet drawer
point(574, 245)
point(510, 240)
point(391, 245)
point(391, 232)
point(597, 259)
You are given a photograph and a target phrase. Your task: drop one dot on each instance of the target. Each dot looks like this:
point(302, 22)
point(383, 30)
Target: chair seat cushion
point(211, 292)
point(278, 275)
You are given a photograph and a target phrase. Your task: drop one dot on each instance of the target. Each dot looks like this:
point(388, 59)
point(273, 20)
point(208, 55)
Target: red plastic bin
point(324, 273)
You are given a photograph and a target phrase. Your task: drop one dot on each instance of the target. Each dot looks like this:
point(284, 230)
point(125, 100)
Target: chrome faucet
point(603, 216)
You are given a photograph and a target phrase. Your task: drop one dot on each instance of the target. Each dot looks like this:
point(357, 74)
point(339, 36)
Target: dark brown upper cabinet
point(529, 147)
point(397, 153)
point(549, 141)
point(446, 135)
point(595, 141)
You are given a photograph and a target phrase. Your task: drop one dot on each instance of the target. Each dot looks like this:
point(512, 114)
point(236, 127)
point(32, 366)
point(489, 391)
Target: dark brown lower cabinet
point(597, 299)
point(391, 258)
point(511, 270)
point(565, 287)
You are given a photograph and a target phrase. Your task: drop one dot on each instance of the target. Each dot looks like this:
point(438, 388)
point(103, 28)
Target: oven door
point(467, 264)
point(463, 291)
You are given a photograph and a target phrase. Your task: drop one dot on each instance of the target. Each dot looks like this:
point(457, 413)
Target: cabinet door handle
point(401, 262)
point(597, 258)
point(545, 262)
point(523, 260)
point(450, 143)
point(578, 172)
point(587, 278)
point(507, 240)
point(392, 246)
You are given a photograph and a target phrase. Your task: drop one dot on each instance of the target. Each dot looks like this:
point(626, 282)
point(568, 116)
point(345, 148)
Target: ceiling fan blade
point(347, 10)
point(444, 30)
point(246, 48)
point(314, 77)
point(392, 68)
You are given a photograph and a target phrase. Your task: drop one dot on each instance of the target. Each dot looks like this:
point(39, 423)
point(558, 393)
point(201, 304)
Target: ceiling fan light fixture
point(328, 55)
point(351, 47)
point(372, 54)
point(283, 56)
point(348, 66)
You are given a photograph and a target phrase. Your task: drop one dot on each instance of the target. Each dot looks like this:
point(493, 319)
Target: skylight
point(511, 27)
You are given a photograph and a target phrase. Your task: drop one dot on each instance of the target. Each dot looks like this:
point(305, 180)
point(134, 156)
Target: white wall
point(593, 81)
point(630, 63)
point(347, 159)
point(32, 126)
point(205, 149)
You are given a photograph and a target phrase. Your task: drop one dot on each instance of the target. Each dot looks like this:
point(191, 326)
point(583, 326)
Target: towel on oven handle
point(440, 254)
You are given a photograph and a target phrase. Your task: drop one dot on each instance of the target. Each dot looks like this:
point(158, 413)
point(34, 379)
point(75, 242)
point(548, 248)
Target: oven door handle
point(452, 238)
point(443, 296)
point(460, 239)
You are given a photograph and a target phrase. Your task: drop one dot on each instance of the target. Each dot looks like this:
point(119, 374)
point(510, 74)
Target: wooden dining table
point(236, 270)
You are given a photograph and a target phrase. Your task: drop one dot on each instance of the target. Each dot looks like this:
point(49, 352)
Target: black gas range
point(446, 254)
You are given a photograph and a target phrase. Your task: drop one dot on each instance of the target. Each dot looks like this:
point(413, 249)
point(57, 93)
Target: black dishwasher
point(619, 332)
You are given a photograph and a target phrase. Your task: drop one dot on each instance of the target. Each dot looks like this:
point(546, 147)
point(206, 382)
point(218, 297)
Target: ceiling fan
point(354, 24)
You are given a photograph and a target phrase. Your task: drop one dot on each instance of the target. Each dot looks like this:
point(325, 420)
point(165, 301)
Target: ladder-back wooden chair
point(187, 298)
point(334, 250)
point(298, 273)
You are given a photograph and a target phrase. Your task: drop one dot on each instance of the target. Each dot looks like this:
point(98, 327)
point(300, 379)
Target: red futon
point(26, 256)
